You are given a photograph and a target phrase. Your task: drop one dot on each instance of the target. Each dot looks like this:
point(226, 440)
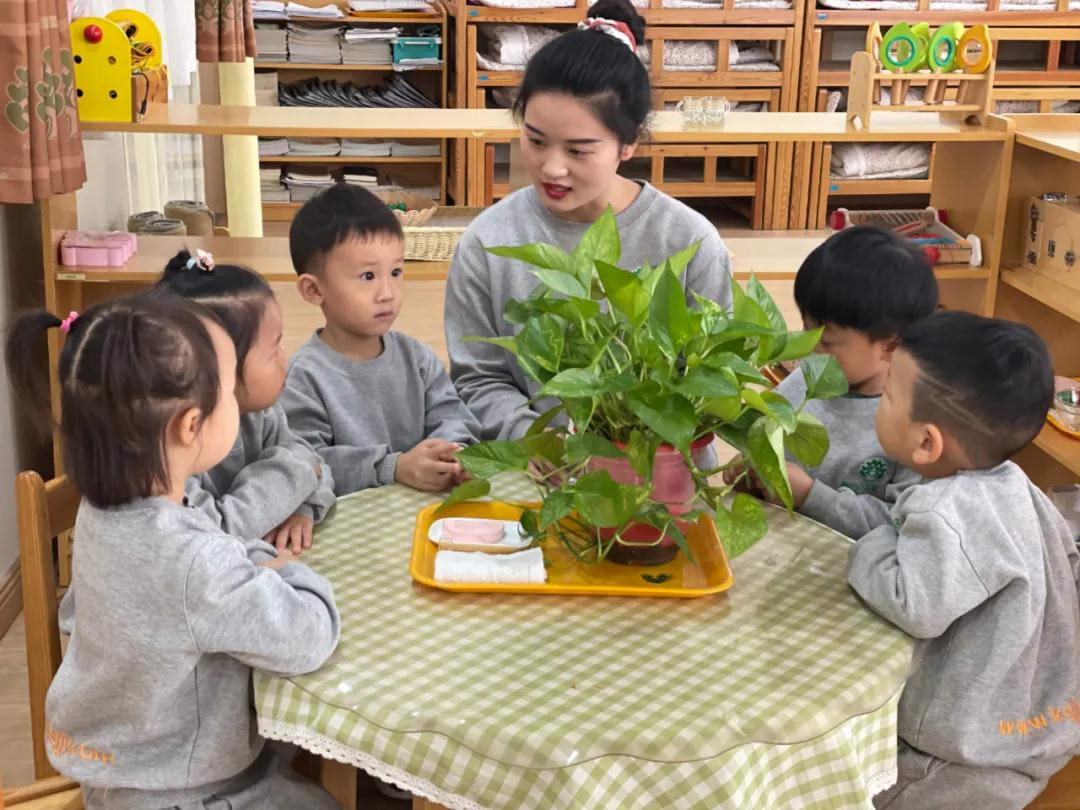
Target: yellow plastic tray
point(708, 574)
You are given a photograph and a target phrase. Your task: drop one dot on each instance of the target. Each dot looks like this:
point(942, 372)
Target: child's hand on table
point(748, 483)
point(801, 483)
point(431, 466)
point(294, 533)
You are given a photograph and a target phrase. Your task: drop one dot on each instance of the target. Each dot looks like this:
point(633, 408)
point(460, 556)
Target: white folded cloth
point(477, 567)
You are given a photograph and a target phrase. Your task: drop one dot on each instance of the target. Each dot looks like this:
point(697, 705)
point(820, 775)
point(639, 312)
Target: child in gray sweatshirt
point(271, 484)
point(375, 404)
point(151, 705)
point(863, 285)
point(979, 566)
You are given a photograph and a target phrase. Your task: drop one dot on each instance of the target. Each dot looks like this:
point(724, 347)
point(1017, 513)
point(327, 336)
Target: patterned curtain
point(225, 30)
point(41, 151)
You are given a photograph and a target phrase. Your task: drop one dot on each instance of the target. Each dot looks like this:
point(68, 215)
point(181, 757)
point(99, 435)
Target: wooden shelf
point(347, 159)
point(839, 17)
point(667, 127)
point(269, 256)
point(1045, 290)
point(1062, 144)
point(1061, 448)
point(361, 19)
point(389, 68)
point(499, 78)
point(872, 187)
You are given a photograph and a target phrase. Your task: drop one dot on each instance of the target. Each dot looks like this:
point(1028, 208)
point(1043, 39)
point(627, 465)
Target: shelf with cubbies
point(755, 67)
point(428, 171)
point(1045, 158)
point(1038, 60)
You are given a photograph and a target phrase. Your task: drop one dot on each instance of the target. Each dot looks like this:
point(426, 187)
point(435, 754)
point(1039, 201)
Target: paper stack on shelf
point(315, 44)
point(369, 46)
point(270, 43)
point(273, 147)
point(360, 147)
point(266, 89)
point(417, 148)
point(268, 10)
point(362, 176)
point(396, 91)
point(271, 187)
point(329, 11)
point(361, 6)
point(321, 147)
point(307, 181)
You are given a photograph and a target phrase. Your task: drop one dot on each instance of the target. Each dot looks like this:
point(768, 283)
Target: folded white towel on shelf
point(477, 567)
point(880, 160)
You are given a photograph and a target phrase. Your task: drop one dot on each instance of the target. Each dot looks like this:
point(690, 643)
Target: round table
point(779, 693)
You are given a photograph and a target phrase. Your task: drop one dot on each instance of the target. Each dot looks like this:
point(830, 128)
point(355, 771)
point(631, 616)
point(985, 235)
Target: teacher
point(583, 106)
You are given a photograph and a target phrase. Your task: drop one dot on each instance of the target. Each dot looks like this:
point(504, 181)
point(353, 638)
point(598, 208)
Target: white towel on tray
point(525, 567)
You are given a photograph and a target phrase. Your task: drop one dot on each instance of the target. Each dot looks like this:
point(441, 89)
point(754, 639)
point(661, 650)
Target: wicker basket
point(437, 243)
point(420, 209)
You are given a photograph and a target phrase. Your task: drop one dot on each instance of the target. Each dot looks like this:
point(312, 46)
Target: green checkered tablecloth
point(780, 693)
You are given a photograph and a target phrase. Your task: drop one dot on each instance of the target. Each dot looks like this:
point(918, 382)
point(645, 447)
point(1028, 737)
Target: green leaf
point(741, 526)
point(574, 310)
point(605, 503)
point(771, 404)
point(530, 523)
point(560, 282)
point(756, 290)
point(641, 451)
point(542, 421)
point(583, 446)
point(517, 311)
point(600, 242)
point(799, 344)
point(824, 377)
point(703, 381)
point(542, 341)
point(765, 450)
point(726, 408)
point(548, 445)
point(625, 292)
point(539, 254)
point(557, 505)
point(486, 459)
point(470, 490)
point(670, 323)
point(673, 419)
point(580, 411)
point(810, 441)
point(678, 263)
point(742, 369)
point(510, 344)
point(584, 382)
point(747, 309)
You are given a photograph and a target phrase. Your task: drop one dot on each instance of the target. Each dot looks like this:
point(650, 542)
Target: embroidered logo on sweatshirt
point(872, 473)
point(61, 744)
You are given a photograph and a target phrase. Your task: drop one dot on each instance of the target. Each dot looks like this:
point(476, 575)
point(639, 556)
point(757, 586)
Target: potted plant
point(641, 383)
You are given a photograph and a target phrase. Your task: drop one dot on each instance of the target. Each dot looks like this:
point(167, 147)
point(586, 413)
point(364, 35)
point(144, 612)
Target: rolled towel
point(476, 567)
point(196, 216)
point(163, 227)
point(136, 222)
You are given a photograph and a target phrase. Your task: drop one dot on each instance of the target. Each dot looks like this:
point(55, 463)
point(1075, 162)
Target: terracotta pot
point(673, 486)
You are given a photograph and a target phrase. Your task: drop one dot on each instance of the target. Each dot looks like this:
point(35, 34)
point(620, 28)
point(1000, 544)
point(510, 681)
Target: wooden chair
point(54, 793)
point(45, 511)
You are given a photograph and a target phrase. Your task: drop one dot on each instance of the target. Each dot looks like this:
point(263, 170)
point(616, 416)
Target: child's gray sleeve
point(445, 415)
point(352, 468)
point(919, 578)
point(283, 622)
point(276, 431)
point(481, 371)
point(263, 495)
point(855, 515)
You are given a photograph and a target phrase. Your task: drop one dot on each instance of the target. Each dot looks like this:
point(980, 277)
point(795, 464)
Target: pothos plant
point(631, 367)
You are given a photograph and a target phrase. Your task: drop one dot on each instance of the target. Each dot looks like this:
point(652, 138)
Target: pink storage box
point(97, 248)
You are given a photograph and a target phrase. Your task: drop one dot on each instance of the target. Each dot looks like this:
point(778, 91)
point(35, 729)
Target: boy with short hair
point(863, 285)
point(979, 565)
point(377, 405)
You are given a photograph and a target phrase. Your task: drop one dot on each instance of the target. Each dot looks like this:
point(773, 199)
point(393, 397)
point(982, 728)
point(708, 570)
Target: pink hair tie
point(613, 28)
point(65, 325)
point(203, 260)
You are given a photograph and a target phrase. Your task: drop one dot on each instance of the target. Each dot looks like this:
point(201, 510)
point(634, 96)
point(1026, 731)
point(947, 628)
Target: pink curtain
point(41, 150)
point(225, 30)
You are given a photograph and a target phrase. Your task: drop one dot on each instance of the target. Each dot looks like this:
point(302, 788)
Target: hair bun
point(179, 262)
point(621, 11)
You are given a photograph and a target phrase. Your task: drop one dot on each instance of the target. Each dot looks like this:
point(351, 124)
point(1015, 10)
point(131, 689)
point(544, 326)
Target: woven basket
point(420, 209)
point(438, 243)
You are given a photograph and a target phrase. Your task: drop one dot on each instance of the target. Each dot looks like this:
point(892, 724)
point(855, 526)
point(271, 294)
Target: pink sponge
point(473, 530)
point(97, 248)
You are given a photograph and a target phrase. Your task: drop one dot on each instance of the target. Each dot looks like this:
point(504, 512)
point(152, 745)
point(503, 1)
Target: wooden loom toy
point(909, 55)
point(118, 67)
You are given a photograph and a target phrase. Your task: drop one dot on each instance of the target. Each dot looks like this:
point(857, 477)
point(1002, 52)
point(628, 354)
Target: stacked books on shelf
point(361, 147)
point(314, 147)
point(273, 147)
point(305, 182)
point(266, 89)
point(271, 43)
point(417, 148)
point(314, 44)
point(369, 46)
point(271, 186)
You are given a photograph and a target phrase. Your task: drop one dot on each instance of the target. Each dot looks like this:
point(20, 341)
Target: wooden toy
point(118, 67)
point(909, 55)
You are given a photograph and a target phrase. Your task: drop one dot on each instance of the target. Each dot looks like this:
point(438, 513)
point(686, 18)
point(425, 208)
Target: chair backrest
point(45, 511)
